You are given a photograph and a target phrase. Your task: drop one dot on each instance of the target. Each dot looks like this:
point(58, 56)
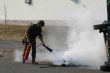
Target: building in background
point(27, 10)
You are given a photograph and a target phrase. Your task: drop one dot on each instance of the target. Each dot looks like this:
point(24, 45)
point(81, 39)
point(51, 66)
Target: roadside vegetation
point(12, 32)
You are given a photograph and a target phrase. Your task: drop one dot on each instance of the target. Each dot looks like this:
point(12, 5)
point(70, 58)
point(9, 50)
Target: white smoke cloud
point(86, 46)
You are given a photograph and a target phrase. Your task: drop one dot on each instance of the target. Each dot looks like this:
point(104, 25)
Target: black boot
point(34, 62)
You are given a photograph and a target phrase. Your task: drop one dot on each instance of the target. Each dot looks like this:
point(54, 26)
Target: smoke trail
point(86, 47)
point(18, 55)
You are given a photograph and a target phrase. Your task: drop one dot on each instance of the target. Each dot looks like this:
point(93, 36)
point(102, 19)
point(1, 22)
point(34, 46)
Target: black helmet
point(41, 23)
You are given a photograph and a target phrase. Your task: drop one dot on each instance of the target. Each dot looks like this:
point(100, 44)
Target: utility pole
point(5, 13)
point(108, 10)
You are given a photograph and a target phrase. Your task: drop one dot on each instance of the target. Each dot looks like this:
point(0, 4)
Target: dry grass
point(12, 32)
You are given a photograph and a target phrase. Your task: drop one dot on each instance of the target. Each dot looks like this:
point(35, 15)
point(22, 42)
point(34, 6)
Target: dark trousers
point(32, 40)
point(33, 51)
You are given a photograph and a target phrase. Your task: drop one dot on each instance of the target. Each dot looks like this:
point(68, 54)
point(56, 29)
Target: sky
point(51, 9)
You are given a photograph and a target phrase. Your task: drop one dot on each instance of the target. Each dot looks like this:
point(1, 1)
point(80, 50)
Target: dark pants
point(32, 40)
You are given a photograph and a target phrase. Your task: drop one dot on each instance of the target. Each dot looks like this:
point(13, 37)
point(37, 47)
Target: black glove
point(43, 44)
point(24, 41)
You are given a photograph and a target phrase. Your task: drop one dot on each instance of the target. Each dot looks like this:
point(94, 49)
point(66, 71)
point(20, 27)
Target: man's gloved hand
point(43, 44)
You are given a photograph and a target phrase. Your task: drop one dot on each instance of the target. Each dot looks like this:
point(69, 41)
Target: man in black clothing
point(34, 31)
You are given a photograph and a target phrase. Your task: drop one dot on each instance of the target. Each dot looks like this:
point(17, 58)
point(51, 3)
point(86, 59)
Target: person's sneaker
point(33, 62)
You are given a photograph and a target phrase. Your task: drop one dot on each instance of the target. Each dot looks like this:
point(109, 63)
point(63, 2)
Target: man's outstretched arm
point(41, 39)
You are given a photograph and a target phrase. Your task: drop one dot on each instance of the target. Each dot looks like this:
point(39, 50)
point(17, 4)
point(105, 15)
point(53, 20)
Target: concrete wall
point(51, 9)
